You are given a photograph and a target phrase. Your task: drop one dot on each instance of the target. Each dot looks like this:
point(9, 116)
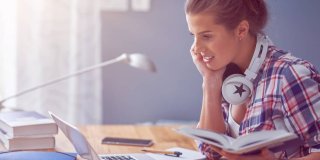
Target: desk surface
point(163, 137)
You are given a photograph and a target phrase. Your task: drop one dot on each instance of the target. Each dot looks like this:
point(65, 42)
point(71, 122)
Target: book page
point(216, 139)
point(243, 144)
point(259, 137)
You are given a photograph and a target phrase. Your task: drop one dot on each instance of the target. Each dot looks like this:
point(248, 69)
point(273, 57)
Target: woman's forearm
point(311, 156)
point(211, 117)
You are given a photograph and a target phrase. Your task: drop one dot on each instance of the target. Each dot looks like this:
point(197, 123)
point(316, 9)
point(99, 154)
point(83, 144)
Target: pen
point(170, 153)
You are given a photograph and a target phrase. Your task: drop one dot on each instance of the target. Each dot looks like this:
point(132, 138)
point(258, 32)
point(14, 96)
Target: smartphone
point(127, 141)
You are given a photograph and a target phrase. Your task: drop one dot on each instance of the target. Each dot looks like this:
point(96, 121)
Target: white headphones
point(237, 88)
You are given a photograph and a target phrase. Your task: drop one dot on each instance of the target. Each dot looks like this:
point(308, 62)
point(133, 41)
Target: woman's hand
point(265, 154)
point(203, 69)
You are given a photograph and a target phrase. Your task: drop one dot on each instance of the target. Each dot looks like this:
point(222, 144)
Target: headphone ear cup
point(236, 89)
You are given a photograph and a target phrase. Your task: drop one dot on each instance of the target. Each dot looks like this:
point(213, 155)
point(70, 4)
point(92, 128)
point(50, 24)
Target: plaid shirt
point(286, 88)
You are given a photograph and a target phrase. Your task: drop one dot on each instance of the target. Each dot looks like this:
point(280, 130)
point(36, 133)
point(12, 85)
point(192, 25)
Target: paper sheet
point(187, 154)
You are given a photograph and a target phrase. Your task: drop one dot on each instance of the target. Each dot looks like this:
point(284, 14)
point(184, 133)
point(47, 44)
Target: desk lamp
point(136, 60)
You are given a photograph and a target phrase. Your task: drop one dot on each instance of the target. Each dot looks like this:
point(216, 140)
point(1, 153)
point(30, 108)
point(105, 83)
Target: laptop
point(84, 149)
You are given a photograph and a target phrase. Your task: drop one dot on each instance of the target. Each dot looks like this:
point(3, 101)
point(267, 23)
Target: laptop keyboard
point(117, 158)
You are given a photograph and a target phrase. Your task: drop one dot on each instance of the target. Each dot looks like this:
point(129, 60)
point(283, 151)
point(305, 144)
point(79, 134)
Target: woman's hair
point(231, 12)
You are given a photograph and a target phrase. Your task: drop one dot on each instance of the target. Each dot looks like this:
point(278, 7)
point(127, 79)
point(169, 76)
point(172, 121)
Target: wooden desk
point(163, 137)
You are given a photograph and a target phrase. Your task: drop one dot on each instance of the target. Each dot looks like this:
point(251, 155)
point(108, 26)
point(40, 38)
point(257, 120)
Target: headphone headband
point(258, 57)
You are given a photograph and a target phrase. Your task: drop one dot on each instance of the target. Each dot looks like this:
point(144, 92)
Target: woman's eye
point(206, 36)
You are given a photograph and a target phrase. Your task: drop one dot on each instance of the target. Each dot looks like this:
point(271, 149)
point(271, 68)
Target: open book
point(275, 140)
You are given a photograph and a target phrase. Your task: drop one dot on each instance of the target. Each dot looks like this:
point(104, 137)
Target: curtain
point(41, 40)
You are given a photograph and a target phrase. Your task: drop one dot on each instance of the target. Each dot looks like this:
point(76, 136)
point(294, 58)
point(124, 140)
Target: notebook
point(84, 149)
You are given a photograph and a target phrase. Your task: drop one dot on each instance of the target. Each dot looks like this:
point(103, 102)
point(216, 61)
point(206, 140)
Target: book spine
point(34, 130)
point(30, 143)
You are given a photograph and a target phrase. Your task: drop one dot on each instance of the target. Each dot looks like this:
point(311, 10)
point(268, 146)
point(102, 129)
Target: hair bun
point(254, 5)
point(257, 12)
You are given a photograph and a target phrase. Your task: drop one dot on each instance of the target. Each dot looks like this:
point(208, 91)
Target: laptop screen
point(79, 142)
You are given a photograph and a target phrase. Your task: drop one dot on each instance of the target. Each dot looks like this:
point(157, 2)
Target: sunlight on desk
point(163, 137)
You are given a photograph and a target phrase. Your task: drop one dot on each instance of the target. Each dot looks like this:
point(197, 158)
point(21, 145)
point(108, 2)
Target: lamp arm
point(123, 57)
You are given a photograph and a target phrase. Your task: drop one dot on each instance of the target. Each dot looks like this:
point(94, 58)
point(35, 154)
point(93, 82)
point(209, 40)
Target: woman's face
point(217, 45)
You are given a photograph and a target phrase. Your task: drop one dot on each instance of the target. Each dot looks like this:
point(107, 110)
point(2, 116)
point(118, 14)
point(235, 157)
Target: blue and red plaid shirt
point(286, 88)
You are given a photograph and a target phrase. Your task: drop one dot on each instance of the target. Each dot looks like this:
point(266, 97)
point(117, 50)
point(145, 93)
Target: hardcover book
point(27, 143)
point(275, 140)
point(26, 123)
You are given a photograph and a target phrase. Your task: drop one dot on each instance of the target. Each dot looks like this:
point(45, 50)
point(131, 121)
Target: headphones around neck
point(236, 88)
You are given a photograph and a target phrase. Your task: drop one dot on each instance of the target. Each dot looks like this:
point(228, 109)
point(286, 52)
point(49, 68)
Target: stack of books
point(27, 130)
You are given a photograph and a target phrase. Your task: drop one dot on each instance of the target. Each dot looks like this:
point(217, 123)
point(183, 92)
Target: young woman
point(285, 91)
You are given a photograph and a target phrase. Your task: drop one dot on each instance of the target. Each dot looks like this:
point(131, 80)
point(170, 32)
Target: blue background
point(174, 92)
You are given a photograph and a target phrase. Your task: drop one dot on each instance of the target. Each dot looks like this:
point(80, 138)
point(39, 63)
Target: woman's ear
point(242, 30)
